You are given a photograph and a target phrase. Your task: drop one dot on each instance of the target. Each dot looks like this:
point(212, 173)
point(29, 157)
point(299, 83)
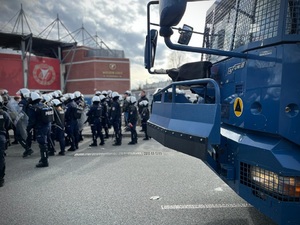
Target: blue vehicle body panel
point(247, 129)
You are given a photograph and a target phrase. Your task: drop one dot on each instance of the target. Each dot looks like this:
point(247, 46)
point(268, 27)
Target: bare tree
point(176, 59)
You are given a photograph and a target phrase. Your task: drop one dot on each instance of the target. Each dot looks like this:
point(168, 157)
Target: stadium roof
point(39, 47)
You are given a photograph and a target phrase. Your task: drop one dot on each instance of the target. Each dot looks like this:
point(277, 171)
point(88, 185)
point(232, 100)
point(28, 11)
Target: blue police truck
point(246, 124)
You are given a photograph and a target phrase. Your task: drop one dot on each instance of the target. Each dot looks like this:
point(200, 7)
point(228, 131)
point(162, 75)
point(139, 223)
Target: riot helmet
point(23, 91)
point(77, 94)
point(102, 97)
point(56, 102)
point(35, 96)
point(115, 95)
point(95, 99)
point(98, 93)
point(132, 99)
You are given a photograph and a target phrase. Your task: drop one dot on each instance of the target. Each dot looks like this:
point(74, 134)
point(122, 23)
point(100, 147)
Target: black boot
point(93, 144)
point(94, 141)
point(27, 152)
point(1, 182)
point(44, 157)
point(134, 137)
point(42, 164)
point(117, 142)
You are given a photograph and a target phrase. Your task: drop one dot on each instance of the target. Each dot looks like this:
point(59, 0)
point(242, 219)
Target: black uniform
point(132, 121)
point(26, 144)
point(125, 109)
point(40, 118)
point(81, 106)
point(140, 108)
point(4, 126)
point(94, 119)
point(58, 128)
point(71, 117)
point(115, 120)
point(144, 118)
point(105, 118)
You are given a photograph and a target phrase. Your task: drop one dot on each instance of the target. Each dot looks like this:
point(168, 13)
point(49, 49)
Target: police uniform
point(145, 117)
point(94, 119)
point(24, 107)
point(80, 105)
point(4, 126)
point(58, 127)
point(104, 117)
point(132, 120)
point(115, 118)
point(71, 117)
point(125, 109)
point(40, 118)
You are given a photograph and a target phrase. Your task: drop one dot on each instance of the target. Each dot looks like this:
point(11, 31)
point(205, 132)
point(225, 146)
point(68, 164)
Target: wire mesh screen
point(234, 23)
point(266, 19)
point(293, 17)
point(267, 183)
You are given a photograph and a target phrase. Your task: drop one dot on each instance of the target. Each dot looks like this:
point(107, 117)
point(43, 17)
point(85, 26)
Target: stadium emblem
point(44, 74)
point(112, 66)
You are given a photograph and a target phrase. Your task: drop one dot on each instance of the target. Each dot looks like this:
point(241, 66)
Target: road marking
point(117, 153)
point(207, 206)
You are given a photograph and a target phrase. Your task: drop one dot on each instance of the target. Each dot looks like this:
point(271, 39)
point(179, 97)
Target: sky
point(120, 24)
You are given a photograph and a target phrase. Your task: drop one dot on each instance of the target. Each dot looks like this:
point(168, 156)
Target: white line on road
point(117, 153)
point(207, 206)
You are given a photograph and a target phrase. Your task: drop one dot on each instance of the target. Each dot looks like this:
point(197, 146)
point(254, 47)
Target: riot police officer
point(24, 137)
point(40, 118)
point(94, 119)
point(104, 117)
point(132, 119)
point(145, 115)
point(115, 118)
point(125, 107)
point(71, 118)
point(81, 105)
point(58, 127)
point(4, 126)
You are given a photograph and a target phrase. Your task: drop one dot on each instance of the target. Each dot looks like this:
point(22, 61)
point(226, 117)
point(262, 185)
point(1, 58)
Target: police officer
point(125, 107)
point(4, 126)
point(94, 119)
point(58, 127)
point(104, 117)
point(142, 97)
point(81, 105)
point(71, 118)
point(132, 119)
point(115, 118)
point(145, 117)
point(40, 118)
point(22, 122)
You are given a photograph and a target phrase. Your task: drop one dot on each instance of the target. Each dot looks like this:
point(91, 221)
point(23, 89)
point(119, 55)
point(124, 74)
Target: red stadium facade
point(87, 72)
point(43, 73)
point(83, 69)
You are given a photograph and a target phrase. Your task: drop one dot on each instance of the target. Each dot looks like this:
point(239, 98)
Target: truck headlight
point(270, 181)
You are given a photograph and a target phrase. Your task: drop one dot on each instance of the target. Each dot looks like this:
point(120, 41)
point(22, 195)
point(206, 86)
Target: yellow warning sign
point(238, 107)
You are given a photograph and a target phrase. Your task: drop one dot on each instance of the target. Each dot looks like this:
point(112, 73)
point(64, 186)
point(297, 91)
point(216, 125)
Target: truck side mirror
point(150, 48)
point(185, 34)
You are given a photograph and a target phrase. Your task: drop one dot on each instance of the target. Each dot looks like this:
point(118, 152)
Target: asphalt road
point(141, 184)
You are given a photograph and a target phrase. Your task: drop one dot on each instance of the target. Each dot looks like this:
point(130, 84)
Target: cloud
point(119, 24)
